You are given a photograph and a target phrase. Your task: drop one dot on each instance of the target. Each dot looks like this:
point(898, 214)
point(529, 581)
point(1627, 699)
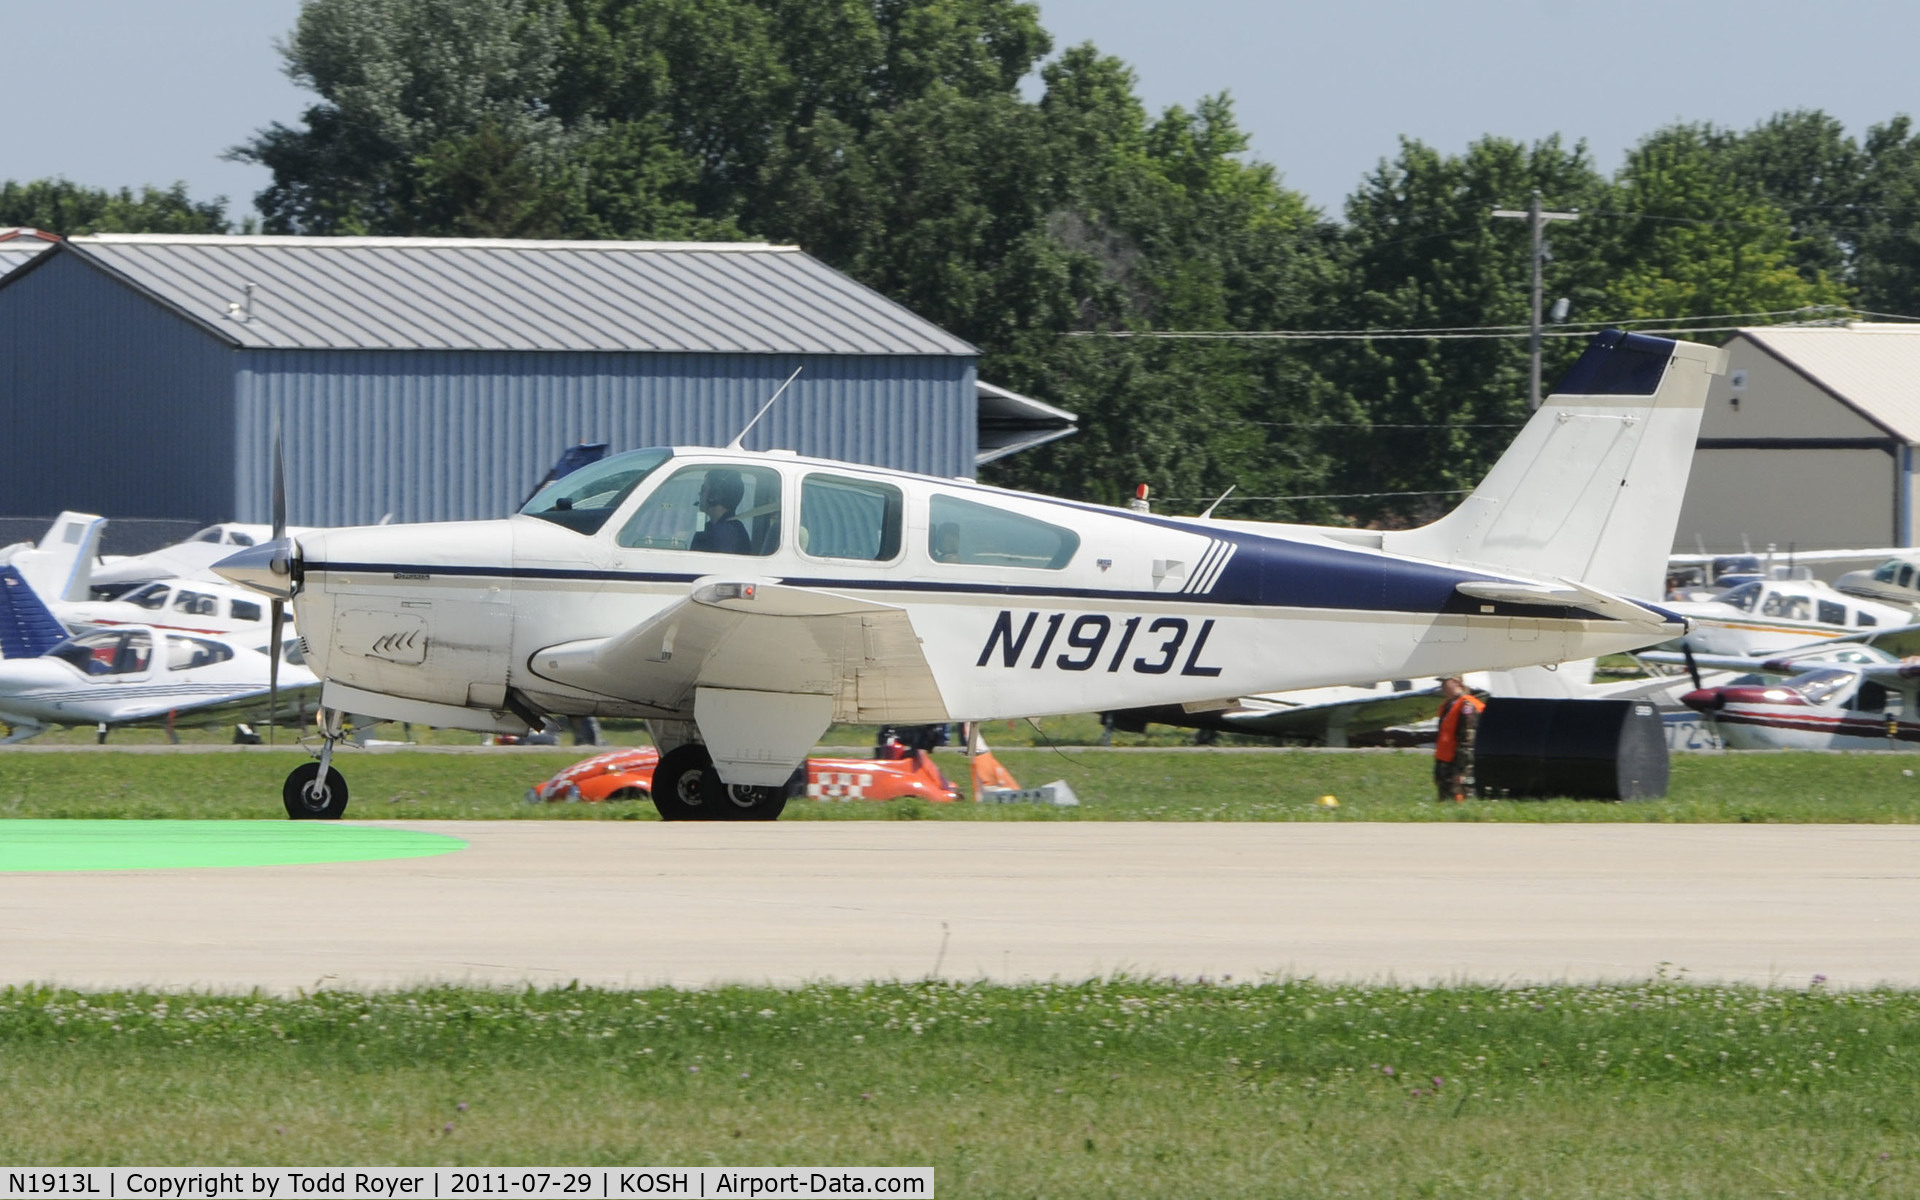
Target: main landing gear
point(314, 791)
point(687, 788)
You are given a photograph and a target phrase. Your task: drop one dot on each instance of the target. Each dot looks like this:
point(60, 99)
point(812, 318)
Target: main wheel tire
point(309, 800)
point(680, 787)
point(746, 802)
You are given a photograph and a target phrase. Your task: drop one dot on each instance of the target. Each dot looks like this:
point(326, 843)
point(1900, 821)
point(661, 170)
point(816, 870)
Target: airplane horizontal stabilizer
point(28, 628)
point(753, 636)
point(1567, 592)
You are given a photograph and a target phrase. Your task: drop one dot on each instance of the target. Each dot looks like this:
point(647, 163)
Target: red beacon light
point(1139, 501)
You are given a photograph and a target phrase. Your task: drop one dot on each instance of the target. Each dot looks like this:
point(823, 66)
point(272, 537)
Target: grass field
point(1113, 785)
point(1121, 1087)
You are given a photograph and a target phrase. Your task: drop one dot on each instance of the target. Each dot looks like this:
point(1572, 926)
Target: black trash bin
point(1586, 749)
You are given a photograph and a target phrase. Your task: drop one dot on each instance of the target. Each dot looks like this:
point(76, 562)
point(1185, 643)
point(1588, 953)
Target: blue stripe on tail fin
point(28, 628)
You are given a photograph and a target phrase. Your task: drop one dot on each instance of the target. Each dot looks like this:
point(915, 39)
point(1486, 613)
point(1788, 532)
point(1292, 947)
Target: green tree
point(68, 209)
point(1424, 251)
point(1682, 236)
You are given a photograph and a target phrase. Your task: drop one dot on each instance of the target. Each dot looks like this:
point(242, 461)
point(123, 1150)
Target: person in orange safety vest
point(1453, 754)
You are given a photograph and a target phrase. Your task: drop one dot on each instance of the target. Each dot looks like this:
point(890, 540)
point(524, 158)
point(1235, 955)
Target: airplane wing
point(1329, 716)
point(153, 709)
point(762, 638)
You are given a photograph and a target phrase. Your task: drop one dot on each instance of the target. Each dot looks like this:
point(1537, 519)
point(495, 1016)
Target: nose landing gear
point(314, 791)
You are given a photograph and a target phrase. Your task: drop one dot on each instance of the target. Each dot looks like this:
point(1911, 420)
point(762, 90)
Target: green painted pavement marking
point(55, 845)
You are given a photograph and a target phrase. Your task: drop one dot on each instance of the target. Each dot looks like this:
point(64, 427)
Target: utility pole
point(1537, 219)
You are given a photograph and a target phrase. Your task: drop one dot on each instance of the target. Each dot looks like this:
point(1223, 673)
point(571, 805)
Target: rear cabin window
point(712, 509)
point(244, 610)
point(849, 518)
point(1832, 614)
point(585, 499)
point(960, 531)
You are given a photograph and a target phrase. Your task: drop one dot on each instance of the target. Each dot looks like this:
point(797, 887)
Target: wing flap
point(760, 637)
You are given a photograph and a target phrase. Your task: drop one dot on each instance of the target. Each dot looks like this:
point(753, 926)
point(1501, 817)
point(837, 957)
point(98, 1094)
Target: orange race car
point(628, 775)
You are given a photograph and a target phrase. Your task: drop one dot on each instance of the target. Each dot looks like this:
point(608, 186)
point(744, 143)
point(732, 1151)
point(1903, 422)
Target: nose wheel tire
point(308, 798)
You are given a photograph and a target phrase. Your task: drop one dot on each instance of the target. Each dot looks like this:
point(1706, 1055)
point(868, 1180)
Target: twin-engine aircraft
point(741, 602)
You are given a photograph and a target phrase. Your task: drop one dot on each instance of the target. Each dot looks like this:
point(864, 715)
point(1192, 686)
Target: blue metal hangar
point(439, 379)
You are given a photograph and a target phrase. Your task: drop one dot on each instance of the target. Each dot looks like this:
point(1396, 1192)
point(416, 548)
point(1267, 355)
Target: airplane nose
point(269, 568)
point(1704, 700)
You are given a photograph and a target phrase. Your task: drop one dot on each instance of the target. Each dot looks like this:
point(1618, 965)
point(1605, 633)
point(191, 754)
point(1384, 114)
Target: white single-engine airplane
point(131, 675)
point(741, 602)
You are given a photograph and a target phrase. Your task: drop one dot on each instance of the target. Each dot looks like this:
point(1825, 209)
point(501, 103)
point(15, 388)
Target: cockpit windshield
point(1820, 684)
point(1743, 597)
point(585, 499)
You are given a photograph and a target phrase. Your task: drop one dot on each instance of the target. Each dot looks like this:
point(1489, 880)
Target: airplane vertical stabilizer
point(1590, 490)
point(27, 628)
point(61, 566)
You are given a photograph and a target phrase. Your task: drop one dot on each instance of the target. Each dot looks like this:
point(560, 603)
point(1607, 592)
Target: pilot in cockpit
point(720, 495)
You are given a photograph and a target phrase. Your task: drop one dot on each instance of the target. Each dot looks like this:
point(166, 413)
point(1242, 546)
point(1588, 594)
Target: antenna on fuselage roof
point(738, 437)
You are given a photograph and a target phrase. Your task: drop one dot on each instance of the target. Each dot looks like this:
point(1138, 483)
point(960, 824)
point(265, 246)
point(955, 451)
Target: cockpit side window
point(210, 534)
point(715, 509)
point(196, 604)
point(186, 653)
point(1886, 571)
point(584, 500)
point(961, 531)
point(121, 653)
point(1788, 606)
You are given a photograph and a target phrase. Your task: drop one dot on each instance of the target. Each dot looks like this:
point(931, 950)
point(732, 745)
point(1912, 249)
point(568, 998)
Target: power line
point(1320, 496)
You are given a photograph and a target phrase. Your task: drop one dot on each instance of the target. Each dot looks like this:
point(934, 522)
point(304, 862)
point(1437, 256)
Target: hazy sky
point(112, 92)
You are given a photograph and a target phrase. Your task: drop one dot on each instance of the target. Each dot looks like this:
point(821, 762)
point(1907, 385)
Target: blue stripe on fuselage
point(1308, 577)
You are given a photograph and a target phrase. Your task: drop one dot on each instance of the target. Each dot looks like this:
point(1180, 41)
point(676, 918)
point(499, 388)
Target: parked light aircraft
point(741, 601)
point(184, 604)
point(131, 675)
point(192, 559)
point(56, 568)
point(1843, 696)
point(1766, 616)
point(1892, 582)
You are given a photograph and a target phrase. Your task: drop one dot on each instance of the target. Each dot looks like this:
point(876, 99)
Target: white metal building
point(1808, 441)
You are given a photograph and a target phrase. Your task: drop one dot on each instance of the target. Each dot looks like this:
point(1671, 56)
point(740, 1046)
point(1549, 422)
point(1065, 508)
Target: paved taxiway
point(634, 904)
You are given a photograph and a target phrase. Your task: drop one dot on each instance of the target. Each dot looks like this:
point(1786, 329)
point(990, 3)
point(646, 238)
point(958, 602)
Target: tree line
point(942, 153)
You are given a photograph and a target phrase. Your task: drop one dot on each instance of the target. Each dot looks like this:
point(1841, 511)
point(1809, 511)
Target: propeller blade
point(1693, 669)
point(279, 486)
point(279, 619)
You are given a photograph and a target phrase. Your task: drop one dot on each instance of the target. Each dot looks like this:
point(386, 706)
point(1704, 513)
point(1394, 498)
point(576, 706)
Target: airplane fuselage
point(1020, 605)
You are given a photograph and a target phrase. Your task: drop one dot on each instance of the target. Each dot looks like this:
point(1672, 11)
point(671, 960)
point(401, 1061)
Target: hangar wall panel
point(460, 435)
point(1777, 402)
point(1814, 499)
point(110, 403)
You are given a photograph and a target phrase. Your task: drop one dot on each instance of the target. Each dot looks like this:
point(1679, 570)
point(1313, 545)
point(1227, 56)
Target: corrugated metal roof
point(19, 245)
point(363, 293)
point(1873, 367)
